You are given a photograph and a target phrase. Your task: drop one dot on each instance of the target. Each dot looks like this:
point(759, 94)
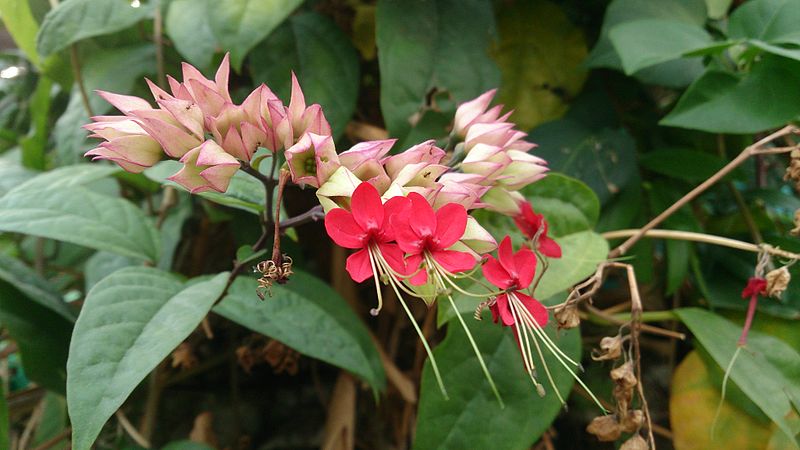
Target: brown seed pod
point(610, 349)
point(796, 230)
point(623, 376)
point(605, 428)
point(632, 421)
point(777, 281)
point(566, 316)
point(636, 442)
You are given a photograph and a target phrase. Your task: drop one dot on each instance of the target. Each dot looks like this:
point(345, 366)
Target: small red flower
point(422, 233)
point(755, 286)
point(529, 222)
point(366, 227)
point(513, 272)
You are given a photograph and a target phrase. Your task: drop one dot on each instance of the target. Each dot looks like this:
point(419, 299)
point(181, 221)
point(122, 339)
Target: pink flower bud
point(337, 190)
point(523, 170)
point(132, 152)
point(503, 201)
point(469, 112)
point(206, 167)
point(312, 160)
point(458, 188)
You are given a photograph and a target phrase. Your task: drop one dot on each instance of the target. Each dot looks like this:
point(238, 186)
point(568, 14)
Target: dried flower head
point(605, 428)
point(271, 273)
point(777, 281)
point(623, 376)
point(796, 230)
point(566, 316)
point(610, 349)
point(636, 442)
point(632, 421)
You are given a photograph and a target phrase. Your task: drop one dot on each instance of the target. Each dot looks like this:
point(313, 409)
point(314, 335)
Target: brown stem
point(76, 72)
point(736, 162)
point(276, 235)
point(312, 215)
point(158, 38)
point(50, 443)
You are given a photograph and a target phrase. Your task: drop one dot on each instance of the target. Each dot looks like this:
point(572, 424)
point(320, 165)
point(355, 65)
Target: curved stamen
point(375, 311)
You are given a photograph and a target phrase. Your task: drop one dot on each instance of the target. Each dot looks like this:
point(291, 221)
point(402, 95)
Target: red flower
point(529, 223)
point(422, 233)
point(755, 286)
point(513, 272)
point(366, 227)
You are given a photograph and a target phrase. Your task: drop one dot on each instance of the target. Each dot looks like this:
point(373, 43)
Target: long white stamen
point(525, 349)
point(517, 305)
point(433, 263)
point(375, 311)
point(529, 319)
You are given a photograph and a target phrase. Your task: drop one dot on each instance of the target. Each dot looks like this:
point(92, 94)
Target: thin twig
point(314, 214)
point(50, 443)
point(649, 329)
point(702, 237)
point(75, 62)
point(158, 38)
point(131, 430)
point(749, 151)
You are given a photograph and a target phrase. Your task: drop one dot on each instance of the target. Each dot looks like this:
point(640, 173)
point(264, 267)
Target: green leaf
point(676, 73)
point(718, 9)
point(244, 192)
point(129, 323)
point(309, 316)
point(434, 44)
point(69, 176)
point(472, 417)
point(721, 102)
point(114, 70)
point(773, 21)
point(688, 165)
point(793, 53)
point(36, 288)
point(186, 445)
point(241, 24)
point(33, 145)
point(568, 205)
point(324, 60)
point(22, 26)
point(603, 158)
point(4, 420)
point(539, 54)
point(53, 421)
point(41, 334)
point(75, 20)
point(767, 369)
point(645, 43)
point(581, 253)
point(81, 216)
point(188, 25)
point(103, 264)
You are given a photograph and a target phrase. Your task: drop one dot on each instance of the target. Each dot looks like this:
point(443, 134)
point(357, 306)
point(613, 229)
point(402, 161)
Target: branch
point(314, 214)
point(76, 72)
point(754, 149)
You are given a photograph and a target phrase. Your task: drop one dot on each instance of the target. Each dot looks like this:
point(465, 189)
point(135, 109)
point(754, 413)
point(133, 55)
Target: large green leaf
point(69, 176)
point(20, 23)
point(33, 145)
point(472, 417)
point(41, 334)
point(36, 288)
point(188, 25)
point(129, 323)
point(241, 24)
point(683, 164)
point(644, 43)
point(322, 57)
point(539, 54)
point(773, 21)
point(568, 205)
point(427, 44)
point(111, 70)
point(721, 102)
point(309, 316)
point(676, 73)
point(81, 216)
point(74, 20)
point(767, 369)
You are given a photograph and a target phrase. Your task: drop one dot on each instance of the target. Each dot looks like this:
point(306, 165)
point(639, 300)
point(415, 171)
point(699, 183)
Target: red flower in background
point(366, 228)
point(424, 233)
point(529, 222)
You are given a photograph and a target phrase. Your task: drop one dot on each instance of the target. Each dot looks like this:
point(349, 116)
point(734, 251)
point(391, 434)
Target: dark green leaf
point(721, 102)
point(426, 45)
point(33, 145)
point(241, 24)
point(36, 288)
point(322, 57)
point(41, 334)
point(309, 316)
point(188, 26)
point(4, 420)
point(767, 369)
point(472, 417)
point(81, 216)
point(644, 43)
point(688, 165)
point(130, 322)
point(186, 445)
point(773, 21)
point(75, 20)
point(568, 205)
point(53, 421)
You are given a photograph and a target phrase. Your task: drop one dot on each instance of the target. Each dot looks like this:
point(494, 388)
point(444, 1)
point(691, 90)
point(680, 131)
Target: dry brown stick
point(131, 430)
point(649, 329)
point(702, 187)
point(50, 443)
point(636, 326)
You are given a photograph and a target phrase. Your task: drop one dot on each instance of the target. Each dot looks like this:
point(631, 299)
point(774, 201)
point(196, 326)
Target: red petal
point(454, 261)
point(537, 310)
point(344, 231)
point(419, 275)
point(548, 247)
point(394, 257)
point(394, 210)
point(494, 272)
point(506, 256)
point(525, 262)
point(755, 286)
point(359, 266)
point(422, 218)
point(503, 310)
point(367, 208)
point(451, 221)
